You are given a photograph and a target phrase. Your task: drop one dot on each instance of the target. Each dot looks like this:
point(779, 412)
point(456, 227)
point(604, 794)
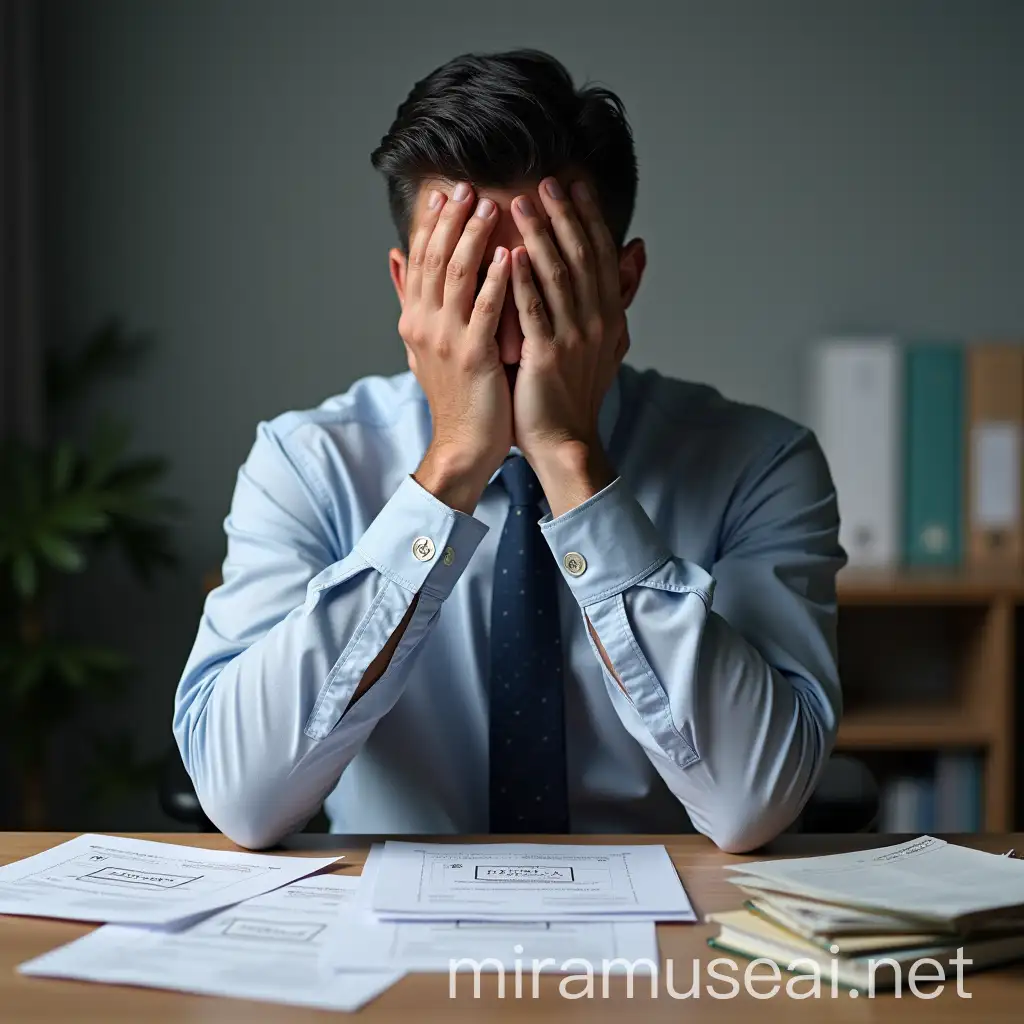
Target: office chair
point(177, 796)
point(846, 799)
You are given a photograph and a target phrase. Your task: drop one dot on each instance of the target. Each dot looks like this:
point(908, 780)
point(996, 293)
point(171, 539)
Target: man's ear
point(632, 261)
point(397, 264)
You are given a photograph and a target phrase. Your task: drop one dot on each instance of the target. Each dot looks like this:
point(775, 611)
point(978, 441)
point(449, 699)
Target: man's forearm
point(453, 483)
point(249, 713)
point(737, 738)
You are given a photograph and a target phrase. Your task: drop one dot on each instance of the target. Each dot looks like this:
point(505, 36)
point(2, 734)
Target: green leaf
point(25, 474)
point(108, 445)
point(60, 553)
point(24, 574)
point(103, 659)
point(138, 473)
point(80, 513)
point(70, 667)
point(26, 675)
point(63, 467)
point(146, 547)
point(109, 351)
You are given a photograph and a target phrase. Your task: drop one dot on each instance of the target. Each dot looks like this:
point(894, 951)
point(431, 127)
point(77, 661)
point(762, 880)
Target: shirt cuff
point(419, 542)
point(605, 545)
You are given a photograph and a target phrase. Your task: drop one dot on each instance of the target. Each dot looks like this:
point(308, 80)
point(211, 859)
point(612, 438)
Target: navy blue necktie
point(527, 730)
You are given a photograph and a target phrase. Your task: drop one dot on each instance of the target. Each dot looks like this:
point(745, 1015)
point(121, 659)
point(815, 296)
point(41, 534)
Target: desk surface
point(995, 995)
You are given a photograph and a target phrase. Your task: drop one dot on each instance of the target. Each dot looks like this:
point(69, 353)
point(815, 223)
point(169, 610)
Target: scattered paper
point(118, 880)
point(266, 948)
point(356, 940)
point(523, 881)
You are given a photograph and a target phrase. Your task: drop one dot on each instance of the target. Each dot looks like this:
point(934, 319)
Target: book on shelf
point(906, 803)
point(958, 793)
point(945, 800)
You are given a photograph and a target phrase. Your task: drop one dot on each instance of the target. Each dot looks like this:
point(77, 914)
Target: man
point(524, 587)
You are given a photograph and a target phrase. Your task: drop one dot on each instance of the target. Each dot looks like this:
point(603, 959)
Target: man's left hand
point(567, 292)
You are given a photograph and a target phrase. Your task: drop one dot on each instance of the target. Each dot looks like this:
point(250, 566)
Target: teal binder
point(933, 454)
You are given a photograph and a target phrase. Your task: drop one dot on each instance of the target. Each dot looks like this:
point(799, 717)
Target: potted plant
point(61, 504)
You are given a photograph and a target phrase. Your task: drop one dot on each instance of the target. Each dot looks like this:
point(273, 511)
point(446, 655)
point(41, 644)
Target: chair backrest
point(846, 798)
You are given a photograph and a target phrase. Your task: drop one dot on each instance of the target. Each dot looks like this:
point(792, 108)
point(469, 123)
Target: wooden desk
point(996, 995)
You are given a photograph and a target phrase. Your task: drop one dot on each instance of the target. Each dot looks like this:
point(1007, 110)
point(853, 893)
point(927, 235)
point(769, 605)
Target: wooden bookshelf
point(874, 587)
point(965, 623)
point(921, 728)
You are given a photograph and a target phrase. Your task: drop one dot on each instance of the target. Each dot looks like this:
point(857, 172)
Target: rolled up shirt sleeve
point(262, 712)
point(727, 677)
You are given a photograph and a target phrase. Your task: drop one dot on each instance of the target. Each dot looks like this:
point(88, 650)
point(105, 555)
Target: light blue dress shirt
point(709, 576)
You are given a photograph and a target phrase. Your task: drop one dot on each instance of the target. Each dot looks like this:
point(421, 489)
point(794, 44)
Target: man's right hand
point(449, 337)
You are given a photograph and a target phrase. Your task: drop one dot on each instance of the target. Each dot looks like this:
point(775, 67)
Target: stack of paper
point(868, 917)
point(243, 925)
point(546, 908)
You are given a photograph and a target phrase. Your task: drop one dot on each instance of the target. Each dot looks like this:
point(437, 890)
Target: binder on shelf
point(958, 793)
point(933, 454)
point(855, 409)
point(995, 395)
point(901, 805)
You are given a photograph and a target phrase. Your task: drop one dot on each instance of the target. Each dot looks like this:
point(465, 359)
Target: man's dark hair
point(498, 120)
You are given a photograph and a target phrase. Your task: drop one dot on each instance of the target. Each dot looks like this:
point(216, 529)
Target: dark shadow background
point(804, 167)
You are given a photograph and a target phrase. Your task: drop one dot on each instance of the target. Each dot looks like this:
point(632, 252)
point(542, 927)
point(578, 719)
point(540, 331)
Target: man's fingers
point(461, 277)
point(550, 270)
point(606, 253)
point(533, 317)
point(483, 321)
point(418, 244)
point(574, 246)
point(442, 243)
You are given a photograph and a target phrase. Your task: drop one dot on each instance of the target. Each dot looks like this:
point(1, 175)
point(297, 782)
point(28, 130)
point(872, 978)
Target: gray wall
point(805, 167)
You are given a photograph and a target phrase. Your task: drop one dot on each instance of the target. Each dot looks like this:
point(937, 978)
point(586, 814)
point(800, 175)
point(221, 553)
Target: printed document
point(356, 940)
point(266, 948)
point(524, 881)
point(118, 880)
point(926, 878)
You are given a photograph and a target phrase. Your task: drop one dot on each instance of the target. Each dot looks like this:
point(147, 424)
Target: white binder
point(855, 405)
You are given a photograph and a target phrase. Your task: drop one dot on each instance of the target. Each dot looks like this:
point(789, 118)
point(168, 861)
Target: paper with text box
point(527, 881)
point(357, 940)
point(267, 948)
point(118, 880)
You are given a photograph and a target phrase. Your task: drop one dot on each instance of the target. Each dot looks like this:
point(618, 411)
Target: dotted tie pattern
point(528, 791)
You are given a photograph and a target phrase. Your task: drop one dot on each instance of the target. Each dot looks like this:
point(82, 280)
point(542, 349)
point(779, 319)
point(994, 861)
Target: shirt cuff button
point(575, 564)
point(423, 549)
